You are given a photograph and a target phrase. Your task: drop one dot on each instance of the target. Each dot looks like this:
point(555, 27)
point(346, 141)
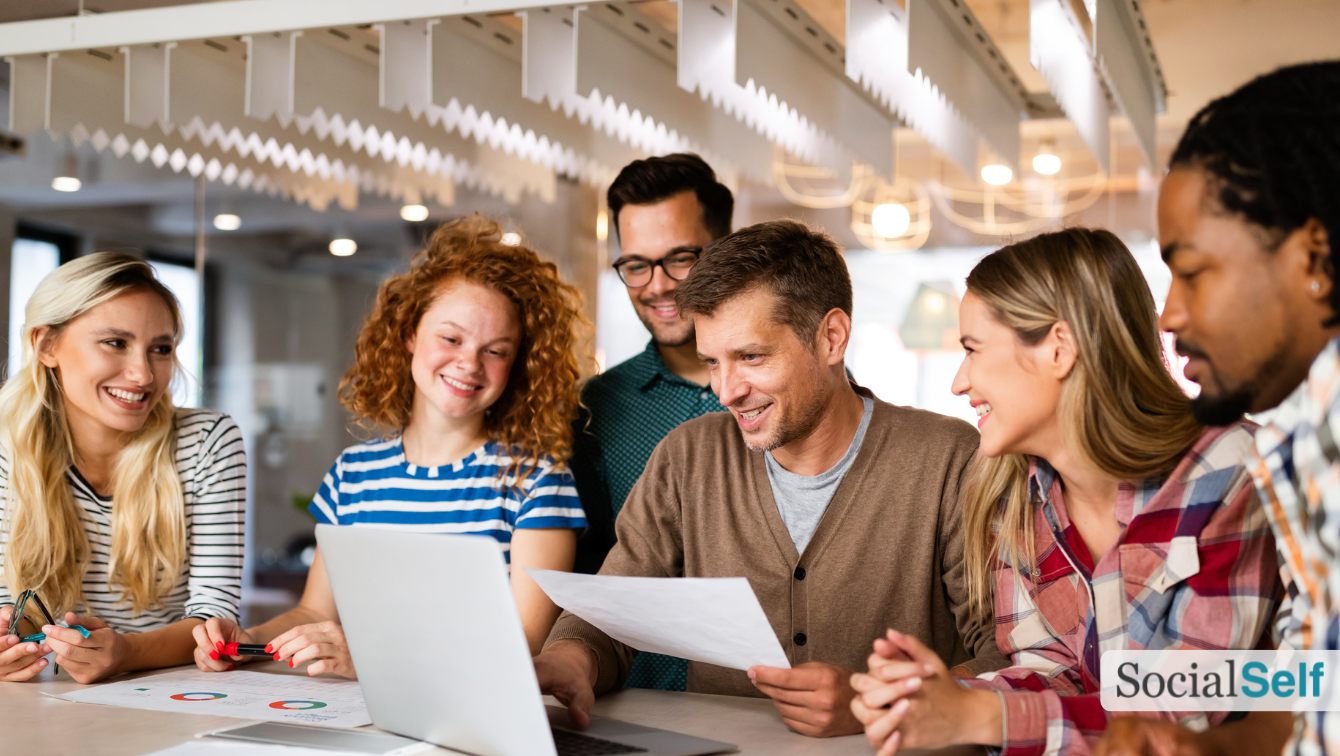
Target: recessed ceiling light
point(997, 175)
point(66, 184)
point(414, 213)
point(343, 247)
point(227, 222)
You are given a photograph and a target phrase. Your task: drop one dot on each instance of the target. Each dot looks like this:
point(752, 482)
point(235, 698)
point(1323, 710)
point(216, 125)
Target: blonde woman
point(123, 512)
point(1099, 514)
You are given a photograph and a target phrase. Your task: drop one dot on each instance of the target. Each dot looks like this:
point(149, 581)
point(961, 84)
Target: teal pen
point(39, 637)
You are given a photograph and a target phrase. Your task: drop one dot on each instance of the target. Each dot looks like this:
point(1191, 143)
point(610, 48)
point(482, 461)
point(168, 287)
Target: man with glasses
point(665, 210)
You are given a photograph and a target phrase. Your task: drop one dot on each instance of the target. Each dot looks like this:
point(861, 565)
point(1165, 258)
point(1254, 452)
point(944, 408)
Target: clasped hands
point(321, 643)
point(910, 699)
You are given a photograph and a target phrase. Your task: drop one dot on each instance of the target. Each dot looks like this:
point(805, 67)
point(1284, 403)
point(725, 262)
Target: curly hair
point(533, 416)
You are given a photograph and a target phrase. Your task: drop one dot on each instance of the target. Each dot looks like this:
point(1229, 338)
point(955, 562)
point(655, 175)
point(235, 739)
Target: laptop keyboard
point(576, 744)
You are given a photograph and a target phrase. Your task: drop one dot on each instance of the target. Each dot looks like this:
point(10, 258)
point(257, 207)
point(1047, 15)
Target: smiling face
point(651, 232)
point(463, 350)
point(776, 387)
point(1015, 388)
point(113, 362)
point(1246, 315)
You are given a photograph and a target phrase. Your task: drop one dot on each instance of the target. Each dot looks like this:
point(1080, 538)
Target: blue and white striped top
point(373, 484)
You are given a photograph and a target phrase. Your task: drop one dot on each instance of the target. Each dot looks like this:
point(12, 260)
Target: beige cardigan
point(887, 553)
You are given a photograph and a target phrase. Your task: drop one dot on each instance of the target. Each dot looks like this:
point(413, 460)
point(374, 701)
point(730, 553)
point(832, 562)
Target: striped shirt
point(213, 470)
point(1194, 568)
point(373, 484)
point(1297, 472)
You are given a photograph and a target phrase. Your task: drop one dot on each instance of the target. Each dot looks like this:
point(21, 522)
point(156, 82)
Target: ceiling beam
point(226, 19)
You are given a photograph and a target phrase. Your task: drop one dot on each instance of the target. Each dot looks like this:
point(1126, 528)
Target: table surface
point(37, 723)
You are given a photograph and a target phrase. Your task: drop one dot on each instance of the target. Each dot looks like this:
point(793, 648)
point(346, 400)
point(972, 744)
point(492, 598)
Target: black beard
point(1222, 410)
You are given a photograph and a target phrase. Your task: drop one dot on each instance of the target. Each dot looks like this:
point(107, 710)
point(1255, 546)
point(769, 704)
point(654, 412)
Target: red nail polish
point(269, 648)
point(290, 662)
point(230, 667)
point(218, 645)
point(276, 657)
point(214, 655)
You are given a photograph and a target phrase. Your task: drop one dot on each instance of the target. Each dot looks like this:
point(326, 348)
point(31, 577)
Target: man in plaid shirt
point(1249, 220)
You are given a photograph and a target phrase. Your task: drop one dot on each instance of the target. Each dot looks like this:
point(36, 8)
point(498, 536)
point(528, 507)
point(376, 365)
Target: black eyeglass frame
point(623, 262)
point(21, 606)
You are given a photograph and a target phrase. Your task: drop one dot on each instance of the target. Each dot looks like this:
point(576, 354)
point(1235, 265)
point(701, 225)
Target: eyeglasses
point(21, 607)
point(636, 272)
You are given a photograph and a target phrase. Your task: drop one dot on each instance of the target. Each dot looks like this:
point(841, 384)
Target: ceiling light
point(890, 220)
point(1046, 163)
point(343, 247)
point(66, 184)
point(511, 238)
point(414, 213)
point(227, 222)
point(997, 175)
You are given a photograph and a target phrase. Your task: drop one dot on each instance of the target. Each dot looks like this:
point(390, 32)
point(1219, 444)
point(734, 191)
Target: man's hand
point(1260, 733)
point(814, 698)
point(567, 671)
point(18, 661)
point(86, 659)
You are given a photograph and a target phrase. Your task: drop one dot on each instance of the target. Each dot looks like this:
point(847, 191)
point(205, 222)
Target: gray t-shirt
point(802, 499)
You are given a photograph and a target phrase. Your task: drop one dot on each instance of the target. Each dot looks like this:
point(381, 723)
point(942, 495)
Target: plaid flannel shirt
point(1297, 473)
point(1194, 568)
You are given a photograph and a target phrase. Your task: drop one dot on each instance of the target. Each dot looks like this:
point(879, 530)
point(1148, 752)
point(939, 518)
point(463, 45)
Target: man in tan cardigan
point(841, 510)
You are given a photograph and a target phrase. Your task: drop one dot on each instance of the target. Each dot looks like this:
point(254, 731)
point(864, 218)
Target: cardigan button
point(800, 573)
point(800, 639)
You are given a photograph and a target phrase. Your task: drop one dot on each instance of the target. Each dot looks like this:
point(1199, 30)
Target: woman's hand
point(88, 659)
point(917, 703)
point(323, 641)
point(18, 661)
point(210, 636)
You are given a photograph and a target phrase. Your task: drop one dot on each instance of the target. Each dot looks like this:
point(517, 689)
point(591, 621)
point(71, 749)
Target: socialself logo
point(1187, 681)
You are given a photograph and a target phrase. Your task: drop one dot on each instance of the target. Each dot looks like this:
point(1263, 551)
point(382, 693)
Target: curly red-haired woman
point(468, 359)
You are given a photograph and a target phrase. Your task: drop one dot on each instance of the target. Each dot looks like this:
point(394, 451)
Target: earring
point(1316, 286)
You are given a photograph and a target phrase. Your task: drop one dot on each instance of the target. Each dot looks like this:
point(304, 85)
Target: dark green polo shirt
point(626, 412)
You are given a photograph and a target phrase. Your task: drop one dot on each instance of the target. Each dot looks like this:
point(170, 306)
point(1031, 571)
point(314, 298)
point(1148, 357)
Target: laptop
point(441, 655)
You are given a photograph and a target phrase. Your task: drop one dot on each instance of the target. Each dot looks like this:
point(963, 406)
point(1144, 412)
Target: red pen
point(238, 649)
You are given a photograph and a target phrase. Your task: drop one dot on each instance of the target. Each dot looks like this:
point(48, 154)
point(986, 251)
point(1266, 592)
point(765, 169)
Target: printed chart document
point(713, 620)
point(241, 694)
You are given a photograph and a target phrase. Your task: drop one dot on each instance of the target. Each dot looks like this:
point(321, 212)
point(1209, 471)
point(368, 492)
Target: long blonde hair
point(1119, 408)
point(47, 547)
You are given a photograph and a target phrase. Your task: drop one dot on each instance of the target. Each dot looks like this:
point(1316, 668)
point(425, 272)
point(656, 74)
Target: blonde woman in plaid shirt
point(1100, 514)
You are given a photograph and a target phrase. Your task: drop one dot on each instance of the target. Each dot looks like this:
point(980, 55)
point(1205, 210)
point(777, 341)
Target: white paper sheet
point(713, 620)
point(240, 693)
point(215, 748)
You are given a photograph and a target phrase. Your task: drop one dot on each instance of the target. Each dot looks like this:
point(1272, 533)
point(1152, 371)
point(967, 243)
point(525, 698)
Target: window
point(30, 261)
point(184, 282)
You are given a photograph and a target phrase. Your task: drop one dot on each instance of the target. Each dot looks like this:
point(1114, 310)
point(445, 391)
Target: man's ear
point(44, 347)
point(834, 335)
point(1061, 351)
point(1312, 245)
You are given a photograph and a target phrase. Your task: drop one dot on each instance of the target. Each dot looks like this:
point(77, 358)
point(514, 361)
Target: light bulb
point(66, 184)
point(343, 247)
point(602, 225)
point(1046, 163)
point(511, 239)
point(414, 213)
point(227, 222)
point(890, 220)
point(997, 175)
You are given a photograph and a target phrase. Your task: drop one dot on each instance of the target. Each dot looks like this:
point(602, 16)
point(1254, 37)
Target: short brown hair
point(804, 270)
point(534, 413)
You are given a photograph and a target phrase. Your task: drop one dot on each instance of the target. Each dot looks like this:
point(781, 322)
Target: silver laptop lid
point(436, 638)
